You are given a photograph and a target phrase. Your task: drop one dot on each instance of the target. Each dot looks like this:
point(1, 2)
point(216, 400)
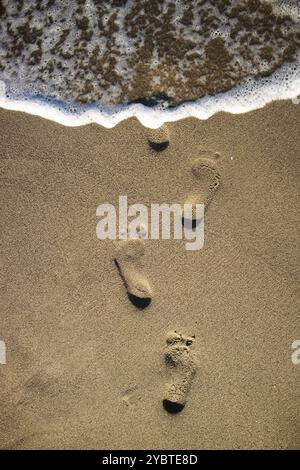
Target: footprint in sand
point(206, 169)
point(182, 366)
point(128, 261)
point(159, 139)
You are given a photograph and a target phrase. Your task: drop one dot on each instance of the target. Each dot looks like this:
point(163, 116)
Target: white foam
point(284, 84)
point(65, 82)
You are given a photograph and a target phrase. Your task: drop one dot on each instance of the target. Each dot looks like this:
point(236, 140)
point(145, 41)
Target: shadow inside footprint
point(191, 224)
point(158, 146)
point(172, 407)
point(140, 303)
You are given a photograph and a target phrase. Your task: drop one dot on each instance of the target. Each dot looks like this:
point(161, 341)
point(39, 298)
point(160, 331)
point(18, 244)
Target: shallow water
point(159, 53)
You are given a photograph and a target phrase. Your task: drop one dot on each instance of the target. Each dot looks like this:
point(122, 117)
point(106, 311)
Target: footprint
point(182, 366)
point(128, 261)
point(159, 139)
point(206, 169)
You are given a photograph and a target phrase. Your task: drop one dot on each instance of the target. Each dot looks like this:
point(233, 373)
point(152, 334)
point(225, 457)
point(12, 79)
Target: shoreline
point(284, 84)
point(85, 368)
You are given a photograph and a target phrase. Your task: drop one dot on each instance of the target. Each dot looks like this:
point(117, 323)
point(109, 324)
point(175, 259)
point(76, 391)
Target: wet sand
point(85, 366)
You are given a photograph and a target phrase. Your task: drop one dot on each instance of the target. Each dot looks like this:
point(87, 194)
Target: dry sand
point(85, 367)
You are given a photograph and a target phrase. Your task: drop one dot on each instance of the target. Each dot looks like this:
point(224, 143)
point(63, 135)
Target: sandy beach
point(85, 367)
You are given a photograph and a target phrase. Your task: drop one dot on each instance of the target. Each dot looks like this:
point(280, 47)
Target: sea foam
point(283, 85)
point(81, 62)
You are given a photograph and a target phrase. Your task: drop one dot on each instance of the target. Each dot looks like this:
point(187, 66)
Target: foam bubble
point(284, 84)
point(80, 62)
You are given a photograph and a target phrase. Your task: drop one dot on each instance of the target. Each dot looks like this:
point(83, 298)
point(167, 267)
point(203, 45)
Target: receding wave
point(103, 60)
